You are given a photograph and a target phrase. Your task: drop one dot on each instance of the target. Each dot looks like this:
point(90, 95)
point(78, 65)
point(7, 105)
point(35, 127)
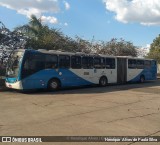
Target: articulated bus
point(37, 69)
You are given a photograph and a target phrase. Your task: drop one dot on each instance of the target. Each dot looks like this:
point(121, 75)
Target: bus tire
point(54, 84)
point(103, 81)
point(142, 79)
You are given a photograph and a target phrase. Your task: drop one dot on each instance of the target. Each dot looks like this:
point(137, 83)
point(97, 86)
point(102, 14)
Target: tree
point(155, 49)
point(42, 37)
point(32, 29)
point(117, 47)
point(9, 41)
point(35, 35)
point(1, 36)
point(83, 45)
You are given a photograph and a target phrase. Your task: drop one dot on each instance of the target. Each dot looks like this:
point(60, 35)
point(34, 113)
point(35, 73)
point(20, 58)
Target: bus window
point(51, 61)
point(132, 64)
point(110, 63)
point(13, 66)
point(99, 62)
point(76, 62)
point(32, 64)
point(140, 64)
point(103, 64)
point(64, 61)
point(87, 62)
point(147, 63)
point(154, 63)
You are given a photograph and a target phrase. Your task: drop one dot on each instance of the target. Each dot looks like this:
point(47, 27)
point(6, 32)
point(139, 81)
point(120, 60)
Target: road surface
point(119, 110)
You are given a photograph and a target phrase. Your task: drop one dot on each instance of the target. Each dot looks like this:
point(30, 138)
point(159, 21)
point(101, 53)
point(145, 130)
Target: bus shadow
point(95, 89)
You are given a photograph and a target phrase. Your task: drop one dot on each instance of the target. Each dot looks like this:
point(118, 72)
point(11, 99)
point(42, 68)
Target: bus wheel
point(142, 79)
point(103, 81)
point(54, 84)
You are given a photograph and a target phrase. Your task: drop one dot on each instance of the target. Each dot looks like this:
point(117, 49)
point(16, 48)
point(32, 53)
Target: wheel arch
point(104, 76)
point(142, 76)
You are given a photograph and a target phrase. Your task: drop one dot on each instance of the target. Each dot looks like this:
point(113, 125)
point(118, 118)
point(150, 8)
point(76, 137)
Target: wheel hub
point(54, 85)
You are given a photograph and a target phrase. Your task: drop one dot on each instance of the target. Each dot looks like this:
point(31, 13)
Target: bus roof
point(79, 53)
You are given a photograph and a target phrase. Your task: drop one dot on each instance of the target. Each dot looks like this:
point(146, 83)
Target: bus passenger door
point(121, 70)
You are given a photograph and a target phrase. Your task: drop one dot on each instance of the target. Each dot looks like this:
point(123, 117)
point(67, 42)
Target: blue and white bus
point(37, 69)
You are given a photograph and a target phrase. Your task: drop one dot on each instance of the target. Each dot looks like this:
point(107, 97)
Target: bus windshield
point(13, 64)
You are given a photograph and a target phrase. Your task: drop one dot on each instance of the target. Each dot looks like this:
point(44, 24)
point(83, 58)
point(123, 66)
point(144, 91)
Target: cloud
point(67, 5)
point(145, 12)
point(28, 12)
point(36, 7)
point(49, 19)
point(65, 24)
point(148, 47)
point(143, 51)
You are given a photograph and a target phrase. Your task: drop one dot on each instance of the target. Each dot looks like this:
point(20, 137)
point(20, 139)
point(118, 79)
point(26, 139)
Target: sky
point(137, 21)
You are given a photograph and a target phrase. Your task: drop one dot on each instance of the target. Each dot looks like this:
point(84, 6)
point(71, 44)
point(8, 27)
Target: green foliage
point(43, 37)
point(118, 48)
point(83, 45)
point(155, 49)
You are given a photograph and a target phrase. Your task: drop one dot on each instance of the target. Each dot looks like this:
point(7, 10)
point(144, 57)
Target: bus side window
point(99, 62)
point(87, 62)
point(103, 63)
point(64, 61)
point(32, 64)
point(147, 63)
point(76, 62)
point(39, 61)
point(154, 63)
point(51, 61)
point(132, 64)
point(140, 64)
point(90, 62)
point(110, 63)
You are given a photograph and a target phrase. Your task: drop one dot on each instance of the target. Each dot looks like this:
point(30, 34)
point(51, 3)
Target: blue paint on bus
point(148, 73)
point(41, 79)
